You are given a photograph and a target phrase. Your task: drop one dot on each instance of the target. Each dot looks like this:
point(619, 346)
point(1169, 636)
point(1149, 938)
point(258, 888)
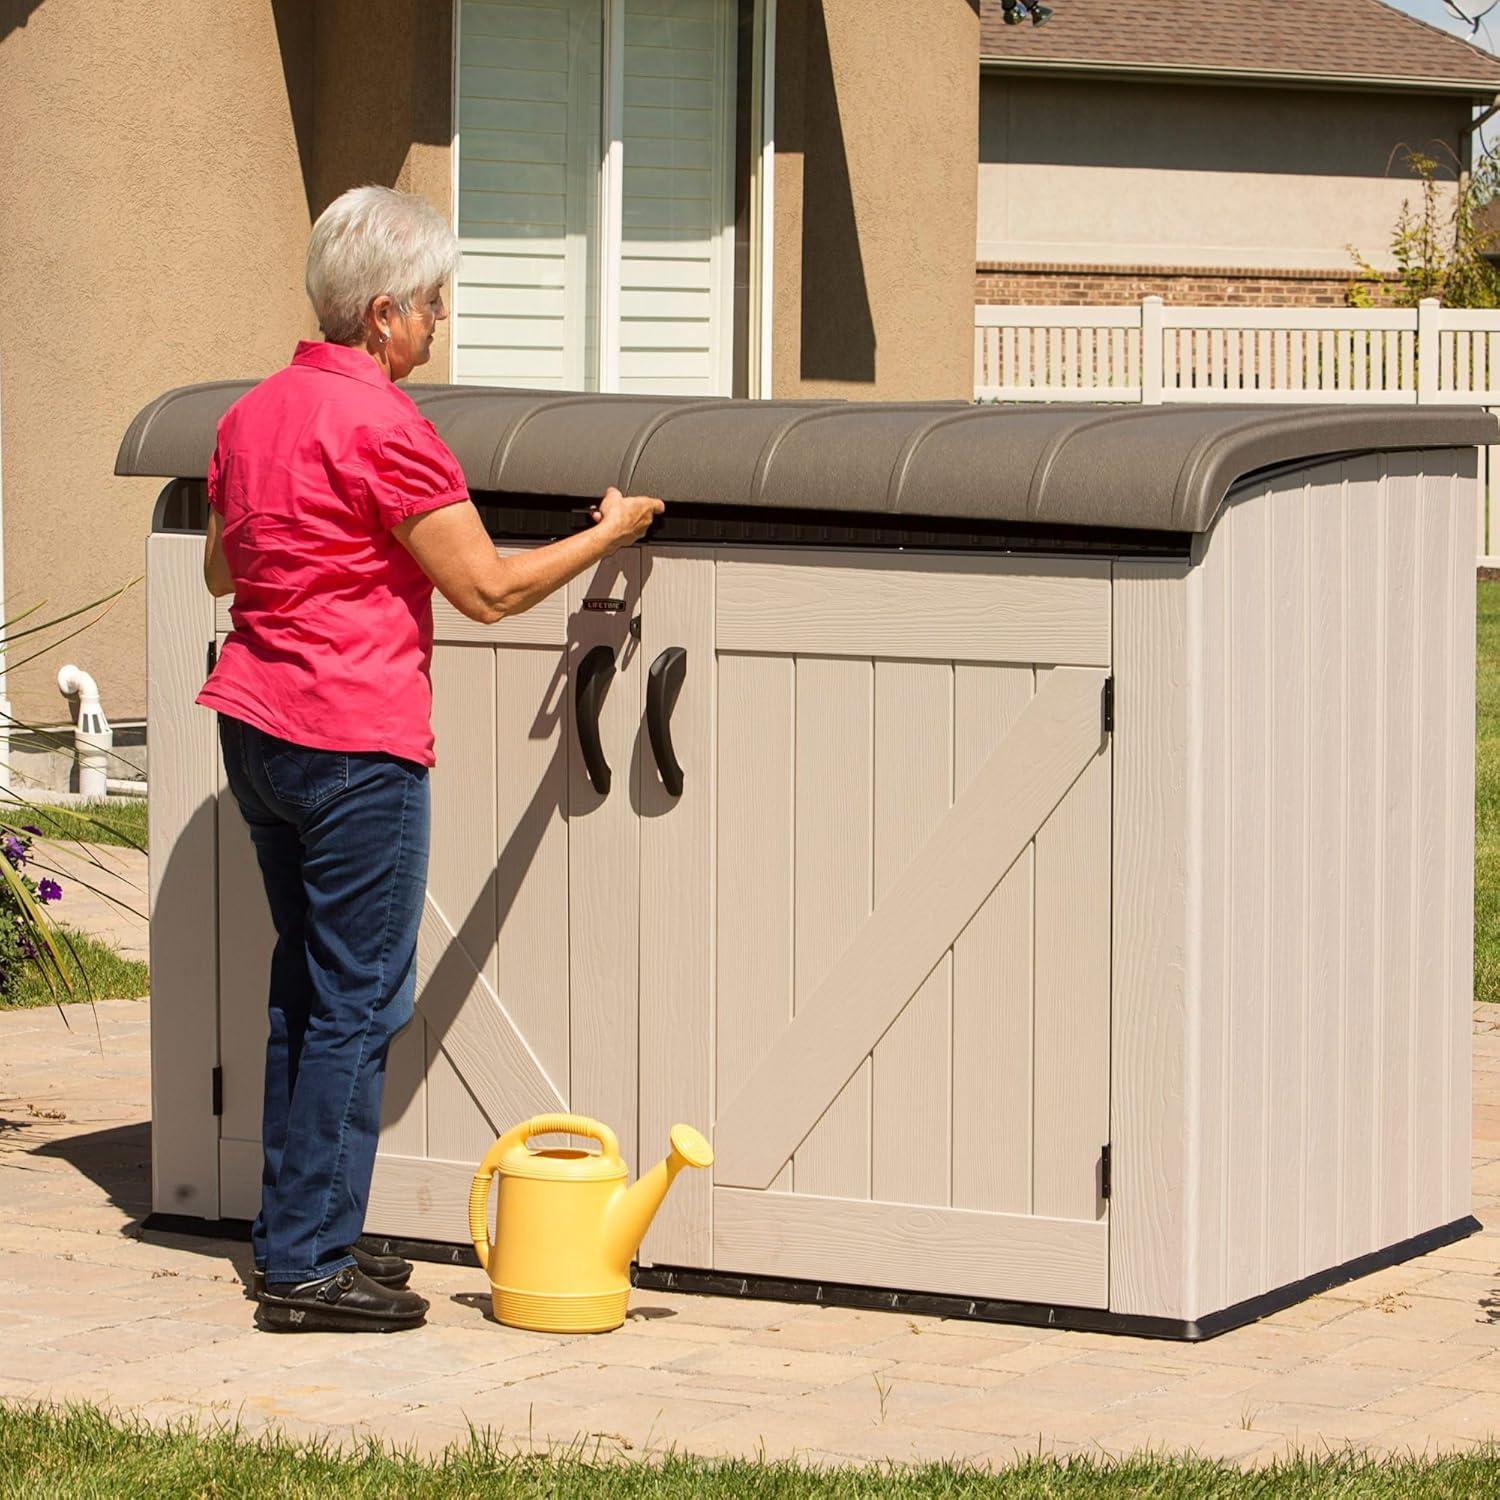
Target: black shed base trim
point(1039, 1314)
point(836, 1294)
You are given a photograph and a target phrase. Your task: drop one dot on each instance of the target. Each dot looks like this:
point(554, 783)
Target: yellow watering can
point(568, 1225)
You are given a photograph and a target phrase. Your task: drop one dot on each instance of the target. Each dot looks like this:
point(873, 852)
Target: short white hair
point(372, 242)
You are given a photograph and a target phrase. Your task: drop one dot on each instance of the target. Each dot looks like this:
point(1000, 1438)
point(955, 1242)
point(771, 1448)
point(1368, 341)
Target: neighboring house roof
point(1342, 42)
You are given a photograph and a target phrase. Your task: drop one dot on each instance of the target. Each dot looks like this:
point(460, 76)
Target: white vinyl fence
point(1149, 352)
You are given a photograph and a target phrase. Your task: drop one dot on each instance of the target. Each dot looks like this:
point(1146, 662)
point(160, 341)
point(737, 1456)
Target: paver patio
point(1407, 1359)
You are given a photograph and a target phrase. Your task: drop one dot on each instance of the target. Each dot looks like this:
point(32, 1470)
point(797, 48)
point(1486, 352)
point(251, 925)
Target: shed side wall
point(1332, 617)
point(1294, 885)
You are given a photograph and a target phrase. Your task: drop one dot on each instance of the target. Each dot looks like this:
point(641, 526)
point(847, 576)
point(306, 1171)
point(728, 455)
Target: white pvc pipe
point(93, 739)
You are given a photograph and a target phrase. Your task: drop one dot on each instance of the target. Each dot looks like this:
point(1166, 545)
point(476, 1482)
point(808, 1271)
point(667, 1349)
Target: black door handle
point(591, 684)
point(663, 683)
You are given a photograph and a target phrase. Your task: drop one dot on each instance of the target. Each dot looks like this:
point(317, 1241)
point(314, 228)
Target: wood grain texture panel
point(1153, 865)
point(544, 624)
point(936, 608)
point(1250, 813)
point(1327, 834)
point(970, 850)
point(529, 850)
point(833, 889)
point(183, 840)
point(911, 1110)
point(604, 863)
point(1286, 806)
point(1364, 542)
point(1458, 1127)
point(466, 1018)
point(1072, 1008)
point(246, 941)
point(756, 854)
point(1210, 918)
point(240, 1164)
point(1398, 814)
point(403, 1120)
point(1431, 997)
point(1327, 873)
point(917, 1248)
point(992, 978)
point(461, 880)
point(677, 905)
point(422, 1198)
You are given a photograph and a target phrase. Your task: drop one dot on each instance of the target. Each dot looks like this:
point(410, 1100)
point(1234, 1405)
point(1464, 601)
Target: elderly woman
point(335, 510)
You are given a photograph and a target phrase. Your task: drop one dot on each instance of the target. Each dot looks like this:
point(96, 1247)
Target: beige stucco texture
point(154, 223)
point(160, 163)
point(876, 108)
point(1123, 173)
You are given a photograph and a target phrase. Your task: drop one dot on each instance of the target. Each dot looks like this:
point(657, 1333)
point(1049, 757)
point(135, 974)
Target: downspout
point(1467, 135)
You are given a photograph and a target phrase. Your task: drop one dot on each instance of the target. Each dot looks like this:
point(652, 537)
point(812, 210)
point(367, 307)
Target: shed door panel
point(526, 1000)
point(911, 916)
point(520, 1009)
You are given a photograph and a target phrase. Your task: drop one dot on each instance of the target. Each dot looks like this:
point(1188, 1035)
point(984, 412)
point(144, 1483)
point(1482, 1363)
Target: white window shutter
point(528, 172)
point(530, 126)
point(676, 258)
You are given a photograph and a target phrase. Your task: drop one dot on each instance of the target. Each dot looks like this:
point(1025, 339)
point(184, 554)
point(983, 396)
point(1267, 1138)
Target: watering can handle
point(479, 1192)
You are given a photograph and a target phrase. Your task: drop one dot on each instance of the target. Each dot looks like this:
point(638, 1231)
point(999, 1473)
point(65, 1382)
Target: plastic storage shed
point(1066, 912)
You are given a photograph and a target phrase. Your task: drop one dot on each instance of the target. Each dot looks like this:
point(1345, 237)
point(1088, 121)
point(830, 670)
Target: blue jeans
point(342, 839)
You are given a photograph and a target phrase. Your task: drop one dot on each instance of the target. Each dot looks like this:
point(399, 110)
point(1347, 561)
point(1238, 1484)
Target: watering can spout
point(631, 1213)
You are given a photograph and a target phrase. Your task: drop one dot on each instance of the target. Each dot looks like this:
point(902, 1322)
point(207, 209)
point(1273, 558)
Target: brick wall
point(1059, 285)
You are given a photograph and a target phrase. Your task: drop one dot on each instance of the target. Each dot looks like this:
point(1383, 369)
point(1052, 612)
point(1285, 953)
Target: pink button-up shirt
point(332, 639)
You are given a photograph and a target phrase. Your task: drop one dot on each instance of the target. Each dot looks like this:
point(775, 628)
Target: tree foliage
point(1438, 243)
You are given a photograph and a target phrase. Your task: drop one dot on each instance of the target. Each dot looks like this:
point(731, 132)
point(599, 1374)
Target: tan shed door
point(526, 998)
point(906, 934)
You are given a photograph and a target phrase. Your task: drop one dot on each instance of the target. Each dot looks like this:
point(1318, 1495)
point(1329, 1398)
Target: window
point(598, 182)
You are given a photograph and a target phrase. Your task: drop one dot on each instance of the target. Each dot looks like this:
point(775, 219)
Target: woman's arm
point(454, 550)
point(216, 572)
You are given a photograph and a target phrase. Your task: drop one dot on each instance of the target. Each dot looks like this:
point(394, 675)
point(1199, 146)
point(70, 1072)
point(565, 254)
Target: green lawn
point(1487, 800)
point(50, 1456)
point(120, 820)
point(104, 976)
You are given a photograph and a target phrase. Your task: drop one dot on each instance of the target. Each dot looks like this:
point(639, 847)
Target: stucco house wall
point(876, 111)
point(161, 162)
point(1109, 172)
point(153, 216)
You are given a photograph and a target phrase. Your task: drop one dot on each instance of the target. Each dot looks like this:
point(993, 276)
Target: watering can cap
point(691, 1146)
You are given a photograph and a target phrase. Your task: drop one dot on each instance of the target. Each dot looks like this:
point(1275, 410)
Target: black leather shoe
point(388, 1270)
point(380, 1265)
point(346, 1302)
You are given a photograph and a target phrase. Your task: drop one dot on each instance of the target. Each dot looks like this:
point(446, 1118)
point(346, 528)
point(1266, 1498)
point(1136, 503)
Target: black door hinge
point(1104, 1172)
point(1109, 705)
point(217, 1084)
point(213, 654)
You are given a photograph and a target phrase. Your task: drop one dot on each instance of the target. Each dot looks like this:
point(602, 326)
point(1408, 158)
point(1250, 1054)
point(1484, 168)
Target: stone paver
point(1405, 1360)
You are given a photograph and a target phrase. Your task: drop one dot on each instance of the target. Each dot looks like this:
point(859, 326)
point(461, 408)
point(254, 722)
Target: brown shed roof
point(1331, 40)
point(1165, 468)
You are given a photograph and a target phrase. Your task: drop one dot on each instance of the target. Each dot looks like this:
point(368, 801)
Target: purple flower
point(48, 890)
point(26, 947)
point(31, 828)
point(15, 850)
